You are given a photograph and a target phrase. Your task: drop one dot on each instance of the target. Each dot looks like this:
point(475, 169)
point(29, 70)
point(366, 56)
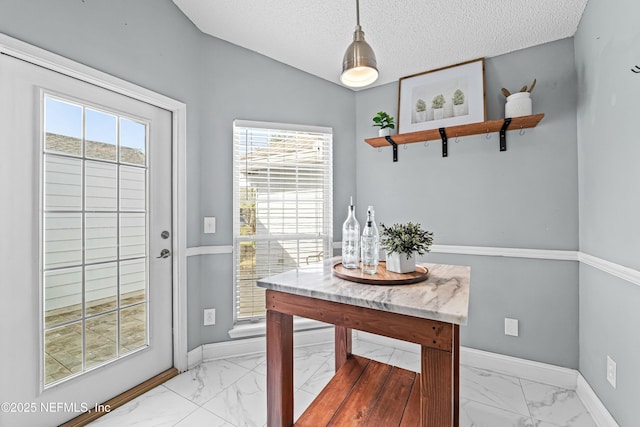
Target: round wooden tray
point(382, 276)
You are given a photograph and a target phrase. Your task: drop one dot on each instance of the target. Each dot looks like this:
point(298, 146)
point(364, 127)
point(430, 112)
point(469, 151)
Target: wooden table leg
point(279, 369)
point(436, 388)
point(343, 345)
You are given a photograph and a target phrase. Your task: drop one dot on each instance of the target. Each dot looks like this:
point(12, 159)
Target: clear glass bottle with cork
point(370, 244)
point(351, 239)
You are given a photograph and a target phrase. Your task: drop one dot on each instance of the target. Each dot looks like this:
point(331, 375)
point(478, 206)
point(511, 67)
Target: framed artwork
point(440, 98)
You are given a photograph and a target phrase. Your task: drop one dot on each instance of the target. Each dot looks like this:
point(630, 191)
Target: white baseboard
point(247, 346)
point(194, 357)
point(514, 366)
point(590, 399)
point(521, 368)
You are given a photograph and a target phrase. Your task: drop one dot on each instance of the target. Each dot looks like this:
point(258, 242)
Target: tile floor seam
point(186, 416)
point(525, 398)
point(497, 407)
point(224, 389)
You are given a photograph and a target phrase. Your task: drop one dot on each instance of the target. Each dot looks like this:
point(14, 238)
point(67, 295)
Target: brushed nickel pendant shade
point(359, 66)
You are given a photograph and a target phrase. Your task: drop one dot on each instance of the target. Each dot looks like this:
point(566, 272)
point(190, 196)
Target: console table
point(365, 392)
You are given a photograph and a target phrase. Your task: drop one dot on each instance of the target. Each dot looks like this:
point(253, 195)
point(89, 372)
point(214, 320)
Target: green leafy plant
point(438, 102)
point(458, 97)
point(405, 239)
point(420, 106)
point(383, 120)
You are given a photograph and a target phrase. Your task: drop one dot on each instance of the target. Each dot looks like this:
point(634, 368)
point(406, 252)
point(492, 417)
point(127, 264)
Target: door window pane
point(132, 282)
point(132, 235)
point(101, 333)
point(63, 127)
point(101, 186)
point(63, 183)
point(63, 351)
point(101, 237)
point(133, 139)
point(133, 328)
point(62, 296)
point(101, 288)
point(132, 188)
point(62, 240)
point(101, 135)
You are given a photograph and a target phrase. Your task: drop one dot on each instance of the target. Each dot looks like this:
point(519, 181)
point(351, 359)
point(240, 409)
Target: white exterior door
point(85, 246)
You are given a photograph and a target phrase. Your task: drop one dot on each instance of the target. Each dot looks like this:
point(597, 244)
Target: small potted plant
point(401, 242)
point(458, 103)
point(385, 122)
point(421, 111)
point(438, 107)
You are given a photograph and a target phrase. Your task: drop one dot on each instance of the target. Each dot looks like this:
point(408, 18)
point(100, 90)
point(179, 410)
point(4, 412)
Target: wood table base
point(364, 392)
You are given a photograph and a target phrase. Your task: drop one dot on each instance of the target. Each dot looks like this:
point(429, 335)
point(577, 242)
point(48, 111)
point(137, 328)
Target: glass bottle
point(351, 239)
point(370, 244)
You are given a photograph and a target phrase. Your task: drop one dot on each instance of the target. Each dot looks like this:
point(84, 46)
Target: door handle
point(165, 253)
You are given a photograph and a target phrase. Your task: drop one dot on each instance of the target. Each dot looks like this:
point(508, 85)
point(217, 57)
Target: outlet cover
point(209, 316)
point(511, 327)
point(209, 224)
point(611, 371)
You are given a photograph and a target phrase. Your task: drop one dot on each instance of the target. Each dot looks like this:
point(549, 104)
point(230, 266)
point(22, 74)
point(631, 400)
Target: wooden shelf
point(366, 393)
point(517, 123)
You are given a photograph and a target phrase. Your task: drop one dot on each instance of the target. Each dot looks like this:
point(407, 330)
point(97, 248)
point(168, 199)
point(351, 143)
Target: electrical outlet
point(511, 327)
point(209, 316)
point(611, 371)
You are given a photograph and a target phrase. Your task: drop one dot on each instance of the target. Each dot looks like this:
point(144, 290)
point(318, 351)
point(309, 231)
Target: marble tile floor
point(232, 393)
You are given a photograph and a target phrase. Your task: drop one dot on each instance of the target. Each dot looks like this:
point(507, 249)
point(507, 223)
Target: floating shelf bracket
point(503, 134)
point(445, 144)
point(395, 147)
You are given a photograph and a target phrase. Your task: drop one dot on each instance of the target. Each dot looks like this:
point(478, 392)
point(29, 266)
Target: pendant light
point(359, 66)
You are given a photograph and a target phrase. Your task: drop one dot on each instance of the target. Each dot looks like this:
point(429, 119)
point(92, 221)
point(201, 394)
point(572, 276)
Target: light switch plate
point(511, 327)
point(209, 224)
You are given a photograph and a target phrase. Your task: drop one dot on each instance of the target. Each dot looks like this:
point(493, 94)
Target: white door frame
point(54, 62)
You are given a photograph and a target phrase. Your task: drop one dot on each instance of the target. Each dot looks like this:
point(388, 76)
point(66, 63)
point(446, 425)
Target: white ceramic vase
point(438, 113)
point(398, 263)
point(384, 132)
point(518, 105)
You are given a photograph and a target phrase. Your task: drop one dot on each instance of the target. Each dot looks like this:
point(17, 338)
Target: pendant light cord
point(358, 12)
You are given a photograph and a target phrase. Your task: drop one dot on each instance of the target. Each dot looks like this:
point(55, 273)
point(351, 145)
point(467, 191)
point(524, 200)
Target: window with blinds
point(282, 204)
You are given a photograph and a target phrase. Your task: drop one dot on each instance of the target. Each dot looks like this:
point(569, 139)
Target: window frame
point(327, 187)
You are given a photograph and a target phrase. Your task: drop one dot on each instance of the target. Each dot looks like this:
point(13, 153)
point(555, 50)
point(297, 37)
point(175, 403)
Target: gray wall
point(525, 197)
point(151, 43)
point(607, 45)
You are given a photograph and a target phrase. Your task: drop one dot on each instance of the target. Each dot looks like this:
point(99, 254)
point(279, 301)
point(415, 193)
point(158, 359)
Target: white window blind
point(282, 204)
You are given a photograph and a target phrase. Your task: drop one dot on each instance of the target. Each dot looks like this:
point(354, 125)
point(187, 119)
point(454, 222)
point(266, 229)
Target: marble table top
point(444, 296)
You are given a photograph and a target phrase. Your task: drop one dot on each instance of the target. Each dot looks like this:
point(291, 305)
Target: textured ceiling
point(408, 36)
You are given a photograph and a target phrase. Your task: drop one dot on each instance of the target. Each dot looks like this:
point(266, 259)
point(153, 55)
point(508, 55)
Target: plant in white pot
point(438, 107)
point(458, 103)
point(385, 122)
point(401, 242)
point(421, 111)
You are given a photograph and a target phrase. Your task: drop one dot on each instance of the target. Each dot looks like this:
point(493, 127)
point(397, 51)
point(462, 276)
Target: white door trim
point(57, 63)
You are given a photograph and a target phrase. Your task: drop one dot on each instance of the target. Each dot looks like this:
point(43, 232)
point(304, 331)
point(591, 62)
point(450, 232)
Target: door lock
point(165, 253)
